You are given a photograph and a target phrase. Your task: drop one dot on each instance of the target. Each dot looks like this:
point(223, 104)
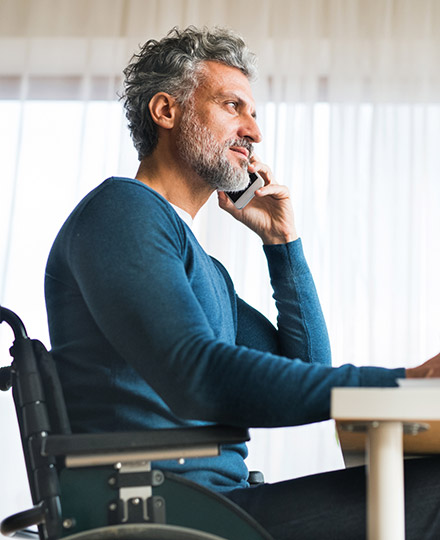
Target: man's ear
point(164, 110)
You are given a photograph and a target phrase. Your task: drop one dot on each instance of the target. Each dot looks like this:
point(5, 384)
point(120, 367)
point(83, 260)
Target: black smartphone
point(241, 198)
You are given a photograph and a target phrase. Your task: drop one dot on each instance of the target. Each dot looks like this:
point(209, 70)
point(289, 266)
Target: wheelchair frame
point(100, 486)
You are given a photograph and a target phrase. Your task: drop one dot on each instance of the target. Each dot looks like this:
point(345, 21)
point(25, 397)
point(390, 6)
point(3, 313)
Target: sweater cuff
point(284, 258)
point(376, 376)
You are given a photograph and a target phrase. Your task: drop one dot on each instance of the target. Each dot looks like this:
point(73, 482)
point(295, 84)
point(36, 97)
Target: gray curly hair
point(174, 65)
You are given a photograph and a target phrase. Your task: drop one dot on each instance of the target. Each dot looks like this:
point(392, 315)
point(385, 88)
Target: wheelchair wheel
point(143, 532)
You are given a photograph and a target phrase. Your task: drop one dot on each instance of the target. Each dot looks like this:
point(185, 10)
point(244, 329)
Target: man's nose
point(249, 129)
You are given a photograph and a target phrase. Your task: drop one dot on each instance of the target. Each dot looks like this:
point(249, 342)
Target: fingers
point(262, 169)
point(270, 186)
point(431, 368)
point(435, 358)
point(274, 190)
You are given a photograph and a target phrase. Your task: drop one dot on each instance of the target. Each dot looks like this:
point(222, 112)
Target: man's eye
point(232, 104)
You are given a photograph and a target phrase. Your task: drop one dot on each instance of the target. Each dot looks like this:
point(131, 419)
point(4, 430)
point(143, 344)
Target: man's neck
point(175, 181)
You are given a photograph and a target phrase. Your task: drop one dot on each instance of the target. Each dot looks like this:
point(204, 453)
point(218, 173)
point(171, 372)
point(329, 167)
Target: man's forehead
point(221, 80)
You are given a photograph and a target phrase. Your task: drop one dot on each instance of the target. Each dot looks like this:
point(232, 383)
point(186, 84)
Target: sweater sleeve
point(302, 332)
point(127, 261)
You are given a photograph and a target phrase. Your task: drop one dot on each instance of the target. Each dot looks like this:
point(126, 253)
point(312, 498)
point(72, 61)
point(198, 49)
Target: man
point(146, 328)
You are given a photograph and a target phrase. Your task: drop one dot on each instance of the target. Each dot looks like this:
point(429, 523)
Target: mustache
point(243, 143)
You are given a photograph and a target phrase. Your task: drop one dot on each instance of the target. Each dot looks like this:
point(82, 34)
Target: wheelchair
point(101, 486)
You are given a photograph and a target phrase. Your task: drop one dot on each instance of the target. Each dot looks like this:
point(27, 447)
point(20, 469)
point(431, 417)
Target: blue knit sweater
point(148, 332)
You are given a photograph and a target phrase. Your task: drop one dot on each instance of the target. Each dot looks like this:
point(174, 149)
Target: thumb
point(226, 204)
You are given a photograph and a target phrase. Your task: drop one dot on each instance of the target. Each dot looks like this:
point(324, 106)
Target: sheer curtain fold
point(363, 49)
point(383, 181)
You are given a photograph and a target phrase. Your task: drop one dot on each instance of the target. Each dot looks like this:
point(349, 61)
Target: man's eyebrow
point(236, 97)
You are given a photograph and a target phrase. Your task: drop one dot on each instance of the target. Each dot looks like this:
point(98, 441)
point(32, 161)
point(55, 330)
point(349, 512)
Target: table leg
point(385, 490)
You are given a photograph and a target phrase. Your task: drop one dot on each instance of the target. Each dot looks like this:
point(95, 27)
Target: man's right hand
point(270, 213)
point(431, 368)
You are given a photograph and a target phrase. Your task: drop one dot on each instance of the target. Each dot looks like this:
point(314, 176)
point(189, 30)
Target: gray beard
point(198, 148)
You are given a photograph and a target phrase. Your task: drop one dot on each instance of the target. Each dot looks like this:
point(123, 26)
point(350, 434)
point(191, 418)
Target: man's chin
point(239, 185)
point(241, 176)
point(227, 176)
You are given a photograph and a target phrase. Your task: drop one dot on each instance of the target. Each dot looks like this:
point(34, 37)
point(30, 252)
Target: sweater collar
point(183, 215)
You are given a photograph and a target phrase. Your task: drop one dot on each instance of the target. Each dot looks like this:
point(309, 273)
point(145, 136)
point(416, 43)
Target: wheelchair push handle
point(17, 326)
point(14, 321)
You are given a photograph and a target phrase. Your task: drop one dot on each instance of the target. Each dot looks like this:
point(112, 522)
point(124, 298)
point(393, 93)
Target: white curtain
point(349, 105)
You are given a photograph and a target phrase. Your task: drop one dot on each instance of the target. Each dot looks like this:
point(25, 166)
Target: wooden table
point(387, 422)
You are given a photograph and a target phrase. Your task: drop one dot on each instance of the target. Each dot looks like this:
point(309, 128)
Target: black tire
point(143, 532)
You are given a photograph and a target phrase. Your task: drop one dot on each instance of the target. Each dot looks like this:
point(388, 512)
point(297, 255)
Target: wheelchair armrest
point(90, 449)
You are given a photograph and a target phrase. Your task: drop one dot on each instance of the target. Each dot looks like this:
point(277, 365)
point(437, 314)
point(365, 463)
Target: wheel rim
point(143, 532)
